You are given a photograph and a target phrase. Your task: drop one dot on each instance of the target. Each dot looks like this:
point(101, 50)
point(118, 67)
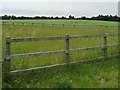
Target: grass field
point(66, 22)
point(18, 31)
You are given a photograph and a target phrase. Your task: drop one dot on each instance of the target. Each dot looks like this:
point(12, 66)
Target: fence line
point(10, 56)
point(48, 24)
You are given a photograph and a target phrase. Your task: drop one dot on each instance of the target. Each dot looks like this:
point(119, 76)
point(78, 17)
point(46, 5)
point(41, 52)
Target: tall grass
point(94, 75)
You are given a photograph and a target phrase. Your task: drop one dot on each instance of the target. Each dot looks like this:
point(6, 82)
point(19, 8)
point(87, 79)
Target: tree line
point(99, 17)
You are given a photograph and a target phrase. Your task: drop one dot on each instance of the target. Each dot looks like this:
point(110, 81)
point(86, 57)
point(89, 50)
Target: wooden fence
point(9, 56)
point(53, 25)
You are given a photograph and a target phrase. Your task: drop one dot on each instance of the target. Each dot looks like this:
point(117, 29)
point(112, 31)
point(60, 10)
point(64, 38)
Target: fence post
point(67, 49)
point(7, 59)
point(53, 25)
point(22, 23)
point(42, 24)
point(105, 46)
point(73, 25)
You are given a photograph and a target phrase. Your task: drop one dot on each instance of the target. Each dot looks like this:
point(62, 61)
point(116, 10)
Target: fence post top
point(67, 34)
point(8, 37)
point(8, 40)
point(105, 35)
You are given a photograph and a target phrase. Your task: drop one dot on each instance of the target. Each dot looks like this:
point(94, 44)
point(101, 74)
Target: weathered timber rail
point(57, 38)
point(10, 56)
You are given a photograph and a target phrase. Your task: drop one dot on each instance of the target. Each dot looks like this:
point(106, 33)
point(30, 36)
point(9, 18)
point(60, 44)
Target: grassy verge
point(93, 75)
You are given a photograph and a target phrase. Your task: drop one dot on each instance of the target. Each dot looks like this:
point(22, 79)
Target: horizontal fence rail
point(67, 38)
point(36, 54)
point(58, 38)
point(59, 52)
point(36, 39)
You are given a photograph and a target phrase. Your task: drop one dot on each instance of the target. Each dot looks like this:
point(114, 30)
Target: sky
point(54, 8)
point(59, 0)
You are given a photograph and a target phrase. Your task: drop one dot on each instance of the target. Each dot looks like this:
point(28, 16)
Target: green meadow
point(102, 74)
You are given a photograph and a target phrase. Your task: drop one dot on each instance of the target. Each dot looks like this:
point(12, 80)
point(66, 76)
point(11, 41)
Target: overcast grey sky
point(59, 0)
point(60, 8)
